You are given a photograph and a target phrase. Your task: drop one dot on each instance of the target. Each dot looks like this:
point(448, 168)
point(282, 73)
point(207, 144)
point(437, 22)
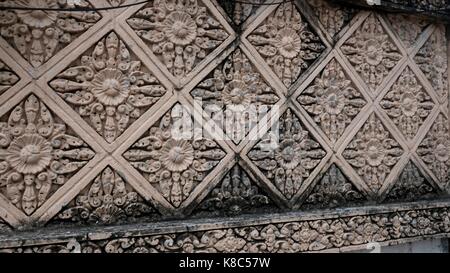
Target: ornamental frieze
point(288, 237)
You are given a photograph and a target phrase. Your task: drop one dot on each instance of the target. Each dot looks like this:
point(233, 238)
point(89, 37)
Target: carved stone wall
point(94, 107)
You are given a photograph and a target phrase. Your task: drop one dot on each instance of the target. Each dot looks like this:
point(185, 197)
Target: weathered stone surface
point(99, 126)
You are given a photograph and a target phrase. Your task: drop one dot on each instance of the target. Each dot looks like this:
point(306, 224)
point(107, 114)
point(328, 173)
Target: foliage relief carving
point(174, 164)
point(109, 87)
point(38, 154)
point(38, 35)
point(179, 33)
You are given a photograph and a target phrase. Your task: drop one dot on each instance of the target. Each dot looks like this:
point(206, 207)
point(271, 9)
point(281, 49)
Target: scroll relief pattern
point(233, 95)
point(287, 43)
point(109, 87)
point(332, 100)
point(432, 60)
point(38, 35)
point(38, 154)
point(174, 164)
point(7, 77)
point(371, 52)
point(408, 104)
point(291, 237)
point(373, 152)
point(179, 33)
point(292, 161)
point(108, 199)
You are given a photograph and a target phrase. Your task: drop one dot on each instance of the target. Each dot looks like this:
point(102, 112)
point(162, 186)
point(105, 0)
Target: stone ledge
point(337, 230)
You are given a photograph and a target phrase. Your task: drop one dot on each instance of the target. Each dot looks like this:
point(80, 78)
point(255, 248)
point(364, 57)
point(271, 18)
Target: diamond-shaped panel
point(432, 60)
point(332, 100)
point(171, 159)
point(294, 157)
point(373, 152)
point(38, 154)
point(333, 190)
point(333, 17)
point(236, 194)
point(407, 27)
point(371, 52)
point(287, 43)
point(39, 35)
point(7, 77)
point(109, 87)
point(179, 33)
point(407, 103)
point(234, 94)
point(109, 199)
point(411, 186)
point(434, 150)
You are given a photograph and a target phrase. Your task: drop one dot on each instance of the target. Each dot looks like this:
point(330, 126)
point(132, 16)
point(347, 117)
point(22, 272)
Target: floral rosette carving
point(107, 200)
point(432, 60)
point(38, 154)
point(109, 88)
point(292, 160)
point(371, 52)
point(174, 164)
point(7, 77)
point(180, 33)
point(233, 95)
point(373, 152)
point(411, 186)
point(434, 150)
point(39, 34)
point(407, 104)
point(285, 40)
point(332, 101)
point(333, 190)
point(235, 194)
point(333, 17)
